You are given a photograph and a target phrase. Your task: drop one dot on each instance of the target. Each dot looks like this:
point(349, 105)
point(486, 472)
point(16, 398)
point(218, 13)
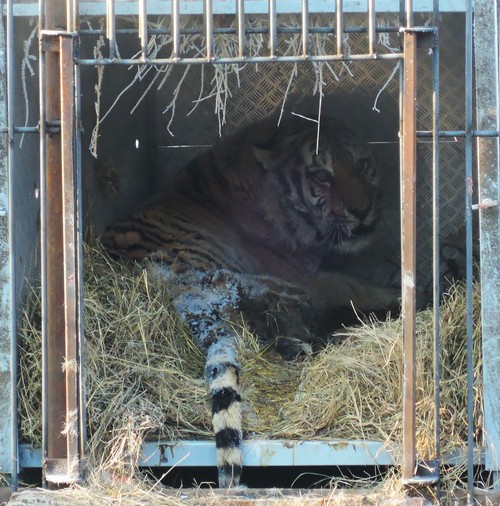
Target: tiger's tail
point(222, 373)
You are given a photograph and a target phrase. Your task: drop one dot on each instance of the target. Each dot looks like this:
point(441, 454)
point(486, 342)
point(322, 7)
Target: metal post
point(8, 344)
point(62, 402)
point(340, 26)
point(408, 247)
point(486, 37)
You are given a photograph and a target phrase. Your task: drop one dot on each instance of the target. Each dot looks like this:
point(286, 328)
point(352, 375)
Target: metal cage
point(63, 54)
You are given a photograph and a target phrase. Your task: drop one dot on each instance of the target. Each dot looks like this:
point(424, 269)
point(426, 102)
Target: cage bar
point(143, 28)
point(8, 341)
point(209, 30)
point(486, 57)
point(371, 27)
point(176, 34)
point(111, 27)
point(305, 28)
point(272, 29)
point(339, 19)
point(61, 320)
point(408, 249)
point(241, 28)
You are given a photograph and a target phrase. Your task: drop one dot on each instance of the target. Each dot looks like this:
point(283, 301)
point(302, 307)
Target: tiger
point(245, 228)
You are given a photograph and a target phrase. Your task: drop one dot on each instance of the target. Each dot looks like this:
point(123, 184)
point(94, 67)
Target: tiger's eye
point(362, 165)
point(321, 176)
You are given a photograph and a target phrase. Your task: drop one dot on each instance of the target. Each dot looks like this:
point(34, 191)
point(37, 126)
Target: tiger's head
point(327, 187)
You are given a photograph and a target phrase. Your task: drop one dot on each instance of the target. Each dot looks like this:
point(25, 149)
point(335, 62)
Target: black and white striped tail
point(222, 371)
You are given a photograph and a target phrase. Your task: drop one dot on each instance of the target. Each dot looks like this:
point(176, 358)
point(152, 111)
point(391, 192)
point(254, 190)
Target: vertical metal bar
point(71, 278)
point(486, 58)
point(79, 256)
point(408, 250)
point(61, 319)
point(69, 15)
point(241, 28)
point(340, 26)
point(8, 337)
point(143, 28)
point(305, 28)
point(371, 27)
point(43, 241)
point(409, 13)
point(272, 28)
point(76, 16)
point(209, 29)
point(435, 238)
point(111, 27)
point(468, 249)
point(176, 31)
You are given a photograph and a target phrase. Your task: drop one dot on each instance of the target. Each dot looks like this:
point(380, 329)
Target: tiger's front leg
point(333, 290)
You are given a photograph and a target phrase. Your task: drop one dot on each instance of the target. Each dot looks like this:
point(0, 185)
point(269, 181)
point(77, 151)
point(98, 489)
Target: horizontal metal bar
point(250, 59)
point(459, 133)
point(248, 30)
point(160, 7)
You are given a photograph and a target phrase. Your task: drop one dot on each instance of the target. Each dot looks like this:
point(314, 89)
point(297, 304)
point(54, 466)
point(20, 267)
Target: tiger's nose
point(359, 212)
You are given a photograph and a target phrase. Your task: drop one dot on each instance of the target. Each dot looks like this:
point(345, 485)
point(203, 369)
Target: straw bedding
point(145, 375)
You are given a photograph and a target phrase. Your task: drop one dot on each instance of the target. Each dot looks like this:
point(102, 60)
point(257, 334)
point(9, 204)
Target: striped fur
point(244, 228)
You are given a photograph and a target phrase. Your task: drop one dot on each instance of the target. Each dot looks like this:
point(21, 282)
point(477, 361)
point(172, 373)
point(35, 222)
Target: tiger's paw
point(291, 348)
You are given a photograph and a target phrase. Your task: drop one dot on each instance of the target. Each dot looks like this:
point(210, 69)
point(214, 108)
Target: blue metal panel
point(255, 453)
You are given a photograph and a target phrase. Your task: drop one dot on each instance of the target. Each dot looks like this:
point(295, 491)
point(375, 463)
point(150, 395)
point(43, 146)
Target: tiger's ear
point(263, 156)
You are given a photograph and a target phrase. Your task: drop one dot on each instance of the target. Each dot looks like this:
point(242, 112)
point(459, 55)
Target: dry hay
point(145, 376)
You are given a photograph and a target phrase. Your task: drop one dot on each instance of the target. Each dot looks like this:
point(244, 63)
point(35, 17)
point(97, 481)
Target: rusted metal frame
point(62, 407)
point(408, 248)
point(487, 73)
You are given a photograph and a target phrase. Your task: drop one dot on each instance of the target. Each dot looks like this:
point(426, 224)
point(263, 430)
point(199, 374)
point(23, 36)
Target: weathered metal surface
point(408, 249)
point(6, 337)
point(160, 7)
point(486, 32)
point(256, 453)
point(60, 276)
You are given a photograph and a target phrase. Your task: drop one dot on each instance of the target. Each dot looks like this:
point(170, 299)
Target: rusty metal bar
point(61, 318)
point(340, 26)
point(408, 249)
point(70, 283)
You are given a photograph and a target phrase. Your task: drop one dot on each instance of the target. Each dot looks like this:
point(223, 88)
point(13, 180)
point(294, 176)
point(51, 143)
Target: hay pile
point(145, 376)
